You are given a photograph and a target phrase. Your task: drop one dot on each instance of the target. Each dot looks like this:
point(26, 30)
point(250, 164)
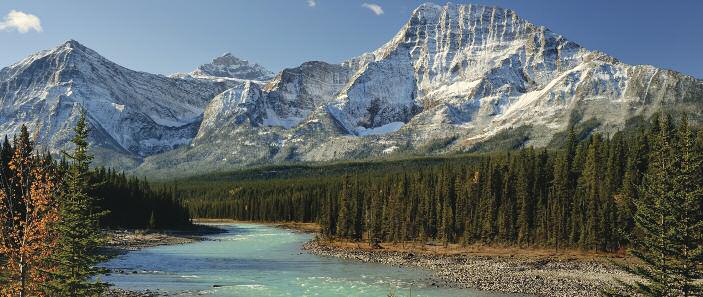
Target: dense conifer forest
point(132, 202)
point(581, 195)
point(128, 201)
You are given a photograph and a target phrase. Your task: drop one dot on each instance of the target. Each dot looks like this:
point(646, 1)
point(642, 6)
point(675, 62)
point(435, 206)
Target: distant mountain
point(454, 78)
point(228, 66)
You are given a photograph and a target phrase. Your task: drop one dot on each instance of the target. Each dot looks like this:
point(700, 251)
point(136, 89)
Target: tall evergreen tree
point(635, 167)
point(524, 219)
point(665, 218)
point(687, 223)
point(344, 219)
point(561, 199)
point(79, 234)
point(5, 155)
point(376, 217)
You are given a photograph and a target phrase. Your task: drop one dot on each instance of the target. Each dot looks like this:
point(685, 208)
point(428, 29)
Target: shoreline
point(293, 226)
point(124, 241)
point(518, 274)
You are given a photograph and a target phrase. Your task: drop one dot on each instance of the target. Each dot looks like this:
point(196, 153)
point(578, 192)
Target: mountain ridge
point(48, 90)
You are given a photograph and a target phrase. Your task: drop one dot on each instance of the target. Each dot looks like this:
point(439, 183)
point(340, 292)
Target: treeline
point(580, 196)
point(277, 200)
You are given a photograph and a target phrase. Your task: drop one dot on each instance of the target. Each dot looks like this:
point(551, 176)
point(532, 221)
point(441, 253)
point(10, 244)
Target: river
point(258, 260)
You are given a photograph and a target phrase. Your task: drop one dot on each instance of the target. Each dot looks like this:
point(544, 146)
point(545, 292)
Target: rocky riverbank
point(539, 276)
point(124, 293)
point(123, 241)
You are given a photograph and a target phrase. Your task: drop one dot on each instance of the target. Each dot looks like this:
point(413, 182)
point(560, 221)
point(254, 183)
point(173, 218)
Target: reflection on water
point(256, 260)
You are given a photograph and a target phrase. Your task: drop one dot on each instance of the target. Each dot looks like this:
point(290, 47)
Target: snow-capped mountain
point(453, 77)
point(229, 67)
point(131, 113)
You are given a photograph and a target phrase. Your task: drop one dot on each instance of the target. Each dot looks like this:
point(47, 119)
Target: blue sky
point(166, 36)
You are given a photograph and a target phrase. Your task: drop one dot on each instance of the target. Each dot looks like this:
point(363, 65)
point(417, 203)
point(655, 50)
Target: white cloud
point(312, 3)
point(375, 8)
point(20, 21)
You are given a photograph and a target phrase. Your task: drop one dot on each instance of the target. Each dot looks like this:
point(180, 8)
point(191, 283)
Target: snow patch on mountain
point(385, 129)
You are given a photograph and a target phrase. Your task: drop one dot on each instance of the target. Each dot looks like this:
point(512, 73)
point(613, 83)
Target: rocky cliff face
point(453, 77)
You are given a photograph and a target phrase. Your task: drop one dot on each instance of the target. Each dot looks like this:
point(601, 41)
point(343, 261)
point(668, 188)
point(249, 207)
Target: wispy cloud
point(375, 8)
point(20, 21)
point(312, 3)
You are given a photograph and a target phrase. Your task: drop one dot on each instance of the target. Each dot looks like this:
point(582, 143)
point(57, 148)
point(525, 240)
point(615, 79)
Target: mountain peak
point(68, 50)
point(72, 47)
point(227, 59)
point(71, 43)
point(437, 10)
point(230, 66)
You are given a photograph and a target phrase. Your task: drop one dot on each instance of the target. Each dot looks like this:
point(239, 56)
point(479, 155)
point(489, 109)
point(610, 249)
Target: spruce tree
point(687, 224)
point(344, 215)
point(5, 153)
point(358, 213)
point(79, 234)
point(525, 214)
point(668, 218)
point(376, 218)
point(561, 200)
point(635, 167)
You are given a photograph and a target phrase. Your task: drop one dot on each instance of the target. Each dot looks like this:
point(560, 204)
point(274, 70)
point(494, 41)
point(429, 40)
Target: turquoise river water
point(257, 260)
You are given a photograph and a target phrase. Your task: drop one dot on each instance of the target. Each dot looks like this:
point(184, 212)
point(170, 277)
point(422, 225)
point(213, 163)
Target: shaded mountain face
point(453, 77)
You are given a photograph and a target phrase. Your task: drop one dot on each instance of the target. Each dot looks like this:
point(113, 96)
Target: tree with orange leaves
point(28, 211)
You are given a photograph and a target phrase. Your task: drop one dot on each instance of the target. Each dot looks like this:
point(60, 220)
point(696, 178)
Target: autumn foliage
point(27, 213)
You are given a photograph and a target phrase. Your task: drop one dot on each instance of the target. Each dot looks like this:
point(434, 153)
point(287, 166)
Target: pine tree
point(79, 234)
